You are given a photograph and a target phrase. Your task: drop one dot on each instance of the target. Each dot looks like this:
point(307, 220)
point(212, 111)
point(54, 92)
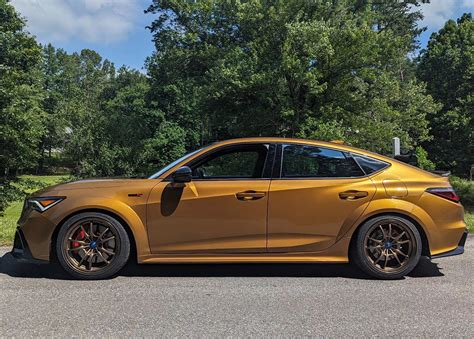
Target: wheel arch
point(134, 246)
point(425, 245)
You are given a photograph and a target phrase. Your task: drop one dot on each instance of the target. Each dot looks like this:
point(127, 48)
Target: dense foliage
point(447, 66)
point(221, 69)
point(315, 69)
point(21, 115)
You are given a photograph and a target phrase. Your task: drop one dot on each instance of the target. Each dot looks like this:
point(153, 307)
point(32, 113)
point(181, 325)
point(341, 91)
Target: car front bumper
point(21, 250)
point(458, 250)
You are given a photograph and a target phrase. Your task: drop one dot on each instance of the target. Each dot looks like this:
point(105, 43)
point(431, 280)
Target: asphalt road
point(239, 300)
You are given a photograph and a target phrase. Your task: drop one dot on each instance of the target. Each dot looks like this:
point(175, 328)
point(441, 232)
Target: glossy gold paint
point(308, 220)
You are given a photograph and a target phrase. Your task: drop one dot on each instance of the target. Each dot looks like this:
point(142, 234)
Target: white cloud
point(437, 12)
point(88, 20)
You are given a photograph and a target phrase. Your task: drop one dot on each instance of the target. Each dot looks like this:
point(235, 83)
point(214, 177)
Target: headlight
point(41, 204)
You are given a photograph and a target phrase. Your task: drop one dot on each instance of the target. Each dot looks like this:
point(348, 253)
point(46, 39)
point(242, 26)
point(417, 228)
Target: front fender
point(112, 207)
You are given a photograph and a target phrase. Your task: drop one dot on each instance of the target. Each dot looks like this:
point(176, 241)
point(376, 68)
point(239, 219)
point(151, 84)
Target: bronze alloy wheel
point(389, 245)
point(92, 246)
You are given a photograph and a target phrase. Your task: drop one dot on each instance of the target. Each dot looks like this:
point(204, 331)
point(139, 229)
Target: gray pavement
point(239, 300)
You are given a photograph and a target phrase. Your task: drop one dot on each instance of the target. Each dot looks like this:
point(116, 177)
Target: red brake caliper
point(80, 236)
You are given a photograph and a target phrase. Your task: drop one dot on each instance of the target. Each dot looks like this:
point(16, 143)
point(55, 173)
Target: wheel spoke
point(399, 236)
point(91, 226)
point(84, 258)
point(379, 258)
point(383, 232)
point(103, 233)
point(396, 257)
point(386, 259)
point(91, 256)
point(106, 251)
point(108, 239)
point(85, 233)
point(390, 231)
point(81, 242)
point(78, 248)
point(400, 252)
point(376, 240)
point(102, 256)
point(402, 242)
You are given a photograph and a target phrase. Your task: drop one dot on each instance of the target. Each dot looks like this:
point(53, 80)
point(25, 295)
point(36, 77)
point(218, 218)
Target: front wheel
point(92, 246)
point(387, 247)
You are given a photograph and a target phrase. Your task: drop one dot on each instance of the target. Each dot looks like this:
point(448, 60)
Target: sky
point(116, 29)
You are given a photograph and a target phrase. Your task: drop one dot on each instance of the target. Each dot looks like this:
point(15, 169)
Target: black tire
point(111, 265)
point(367, 246)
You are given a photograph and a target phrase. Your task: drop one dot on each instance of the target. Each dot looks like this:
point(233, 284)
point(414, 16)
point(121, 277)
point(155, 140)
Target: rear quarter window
point(369, 165)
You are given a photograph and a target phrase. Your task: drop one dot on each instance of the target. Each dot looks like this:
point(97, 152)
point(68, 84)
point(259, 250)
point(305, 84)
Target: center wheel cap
point(93, 245)
point(388, 245)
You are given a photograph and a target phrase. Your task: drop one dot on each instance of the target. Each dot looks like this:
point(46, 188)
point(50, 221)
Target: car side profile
point(267, 200)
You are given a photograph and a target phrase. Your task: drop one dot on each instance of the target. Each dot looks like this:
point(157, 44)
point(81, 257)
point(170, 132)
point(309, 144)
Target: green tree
point(21, 115)
point(447, 67)
point(54, 96)
point(84, 78)
point(314, 69)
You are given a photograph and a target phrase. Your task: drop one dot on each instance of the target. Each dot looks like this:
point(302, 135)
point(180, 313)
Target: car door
point(223, 208)
point(318, 193)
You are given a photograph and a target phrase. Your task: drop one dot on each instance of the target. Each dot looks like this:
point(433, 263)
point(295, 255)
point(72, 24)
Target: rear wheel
point(92, 246)
point(387, 247)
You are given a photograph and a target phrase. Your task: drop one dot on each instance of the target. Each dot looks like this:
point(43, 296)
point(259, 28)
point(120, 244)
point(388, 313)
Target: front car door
point(223, 208)
point(316, 195)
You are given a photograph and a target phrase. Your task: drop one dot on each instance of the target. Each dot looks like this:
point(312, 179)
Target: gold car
point(267, 200)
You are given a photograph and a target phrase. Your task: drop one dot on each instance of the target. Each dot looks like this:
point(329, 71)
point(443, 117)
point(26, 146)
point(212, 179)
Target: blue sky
point(116, 28)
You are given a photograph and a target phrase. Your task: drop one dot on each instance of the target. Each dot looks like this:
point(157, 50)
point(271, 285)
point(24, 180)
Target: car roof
point(333, 145)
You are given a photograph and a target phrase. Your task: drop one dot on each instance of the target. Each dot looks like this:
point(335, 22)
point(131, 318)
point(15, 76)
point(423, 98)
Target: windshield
point(174, 163)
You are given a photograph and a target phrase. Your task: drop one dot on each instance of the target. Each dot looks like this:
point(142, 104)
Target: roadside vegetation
point(25, 185)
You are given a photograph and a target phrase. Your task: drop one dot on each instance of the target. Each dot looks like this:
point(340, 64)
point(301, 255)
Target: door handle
point(353, 195)
point(249, 195)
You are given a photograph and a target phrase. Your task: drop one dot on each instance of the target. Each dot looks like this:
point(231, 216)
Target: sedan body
point(249, 200)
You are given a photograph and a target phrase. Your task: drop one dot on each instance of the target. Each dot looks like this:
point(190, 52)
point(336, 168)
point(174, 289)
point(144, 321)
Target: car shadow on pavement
point(10, 266)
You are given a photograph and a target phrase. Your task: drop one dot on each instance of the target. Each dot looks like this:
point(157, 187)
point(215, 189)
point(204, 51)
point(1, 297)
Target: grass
point(29, 184)
point(469, 218)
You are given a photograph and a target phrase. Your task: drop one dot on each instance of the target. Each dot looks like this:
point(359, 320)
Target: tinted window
point(312, 161)
point(245, 161)
point(369, 165)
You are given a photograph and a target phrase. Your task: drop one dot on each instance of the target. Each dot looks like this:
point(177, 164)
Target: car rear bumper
point(21, 250)
point(458, 250)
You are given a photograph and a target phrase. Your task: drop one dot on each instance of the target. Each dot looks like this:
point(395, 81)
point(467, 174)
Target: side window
point(304, 161)
point(369, 165)
point(239, 162)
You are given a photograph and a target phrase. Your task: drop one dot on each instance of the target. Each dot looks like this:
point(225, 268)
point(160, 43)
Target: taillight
point(444, 192)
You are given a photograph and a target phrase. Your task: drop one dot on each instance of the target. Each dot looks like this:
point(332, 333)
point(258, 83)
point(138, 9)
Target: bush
point(465, 189)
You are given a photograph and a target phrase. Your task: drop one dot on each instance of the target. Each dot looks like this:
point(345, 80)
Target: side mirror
point(182, 175)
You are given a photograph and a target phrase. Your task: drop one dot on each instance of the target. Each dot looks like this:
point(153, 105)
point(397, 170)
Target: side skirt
point(338, 253)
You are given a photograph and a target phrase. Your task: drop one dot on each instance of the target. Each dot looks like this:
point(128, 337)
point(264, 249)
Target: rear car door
point(316, 196)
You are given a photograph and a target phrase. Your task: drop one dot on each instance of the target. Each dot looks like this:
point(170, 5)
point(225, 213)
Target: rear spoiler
point(442, 173)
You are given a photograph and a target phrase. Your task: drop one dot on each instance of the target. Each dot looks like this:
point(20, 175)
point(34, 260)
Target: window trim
point(201, 158)
point(277, 175)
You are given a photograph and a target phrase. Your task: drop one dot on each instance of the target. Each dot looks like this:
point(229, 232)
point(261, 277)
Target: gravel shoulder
point(239, 300)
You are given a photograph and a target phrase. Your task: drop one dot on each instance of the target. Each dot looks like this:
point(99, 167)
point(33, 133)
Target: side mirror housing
point(182, 175)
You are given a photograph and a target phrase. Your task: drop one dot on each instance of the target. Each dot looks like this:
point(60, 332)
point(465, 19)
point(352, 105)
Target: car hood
point(92, 184)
